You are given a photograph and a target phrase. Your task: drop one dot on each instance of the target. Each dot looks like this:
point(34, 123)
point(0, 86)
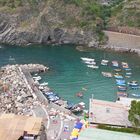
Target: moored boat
point(115, 64)
point(80, 94)
point(121, 94)
point(122, 88)
point(87, 59)
point(44, 84)
point(37, 78)
point(93, 66)
point(104, 62)
point(107, 74)
point(136, 95)
point(78, 108)
point(128, 73)
point(118, 70)
point(120, 81)
point(90, 62)
point(118, 76)
point(133, 83)
point(125, 65)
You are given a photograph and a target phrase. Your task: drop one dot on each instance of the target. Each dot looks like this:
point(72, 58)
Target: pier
point(21, 96)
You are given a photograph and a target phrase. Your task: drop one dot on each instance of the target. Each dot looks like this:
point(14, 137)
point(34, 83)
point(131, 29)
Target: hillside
point(50, 21)
point(65, 21)
point(126, 14)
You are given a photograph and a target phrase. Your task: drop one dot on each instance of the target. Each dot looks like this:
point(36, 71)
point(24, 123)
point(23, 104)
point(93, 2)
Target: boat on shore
point(107, 74)
point(93, 66)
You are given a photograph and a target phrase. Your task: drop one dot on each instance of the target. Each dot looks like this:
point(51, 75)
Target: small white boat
point(93, 66)
point(90, 62)
point(87, 59)
point(107, 74)
point(44, 84)
point(104, 62)
point(37, 78)
point(128, 73)
point(133, 83)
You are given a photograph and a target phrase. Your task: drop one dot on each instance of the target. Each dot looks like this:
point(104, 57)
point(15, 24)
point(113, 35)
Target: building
point(14, 127)
point(109, 113)
point(100, 134)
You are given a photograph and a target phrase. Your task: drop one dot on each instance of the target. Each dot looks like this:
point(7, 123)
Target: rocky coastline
point(17, 96)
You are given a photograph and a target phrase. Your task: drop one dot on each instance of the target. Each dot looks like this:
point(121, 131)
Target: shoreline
point(24, 72)
point(84, 48)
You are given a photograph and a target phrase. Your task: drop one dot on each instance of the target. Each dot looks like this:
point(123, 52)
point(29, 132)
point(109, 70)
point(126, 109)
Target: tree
point(134, 113)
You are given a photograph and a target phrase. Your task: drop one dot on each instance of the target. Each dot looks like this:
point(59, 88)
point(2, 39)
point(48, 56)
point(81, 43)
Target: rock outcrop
point(44, 22)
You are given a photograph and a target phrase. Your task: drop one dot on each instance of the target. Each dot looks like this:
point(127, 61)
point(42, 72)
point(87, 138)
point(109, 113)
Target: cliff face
point(46, 21)
point(126, 14)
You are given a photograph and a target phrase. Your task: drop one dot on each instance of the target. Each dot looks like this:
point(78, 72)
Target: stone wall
point(122, 41)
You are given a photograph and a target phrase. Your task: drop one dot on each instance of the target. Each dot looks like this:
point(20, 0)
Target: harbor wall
point(122, 41)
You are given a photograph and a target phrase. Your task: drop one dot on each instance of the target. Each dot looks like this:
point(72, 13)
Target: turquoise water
point(68, 75)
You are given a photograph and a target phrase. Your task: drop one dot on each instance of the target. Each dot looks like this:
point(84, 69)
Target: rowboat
point(87, 59)
point(104, 62)
point(79, 94)
point(122, 88)
point(118, 76)
point(136, 95)
point(133, 83)
point(78, 108)
point(122, 94)
point(125, 65)
point(37, 78)
point(120, 81)
point(117, 70)
point(93, 66)
point(90, 62)
point(115, 64)
point(107, 74)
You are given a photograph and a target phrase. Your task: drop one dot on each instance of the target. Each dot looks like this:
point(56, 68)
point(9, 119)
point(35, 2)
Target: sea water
point(68, 75)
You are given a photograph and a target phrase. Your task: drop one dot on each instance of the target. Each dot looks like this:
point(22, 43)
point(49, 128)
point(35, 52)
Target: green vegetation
point(17, 3)
point(126, 13)
point(134, 113)
point(127, 130)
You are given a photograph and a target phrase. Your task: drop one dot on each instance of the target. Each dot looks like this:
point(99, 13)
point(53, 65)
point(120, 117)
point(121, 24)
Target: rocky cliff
point(126, 14)
point(47, 21)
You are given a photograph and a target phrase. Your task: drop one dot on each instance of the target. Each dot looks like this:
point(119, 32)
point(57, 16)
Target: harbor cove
point(69, 75)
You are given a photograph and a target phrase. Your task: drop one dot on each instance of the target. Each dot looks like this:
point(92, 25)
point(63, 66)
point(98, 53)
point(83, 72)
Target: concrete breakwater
point(18, 92)
point(16, 95)
point(123, 42)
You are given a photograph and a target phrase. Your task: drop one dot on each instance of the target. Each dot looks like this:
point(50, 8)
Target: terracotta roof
point(12, 126)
